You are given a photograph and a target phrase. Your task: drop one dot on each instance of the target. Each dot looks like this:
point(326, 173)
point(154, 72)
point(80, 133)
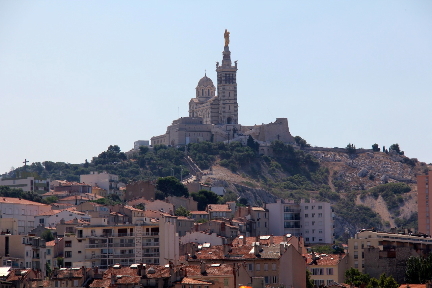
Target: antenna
point(178, 112)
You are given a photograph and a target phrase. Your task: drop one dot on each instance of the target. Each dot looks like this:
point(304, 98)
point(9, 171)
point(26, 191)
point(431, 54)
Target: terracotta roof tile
point(211, 270)
point(13, 277)
point(187, 280)
point(219, 207)
point(199, 212)
point(327, 260)
point(10, 200)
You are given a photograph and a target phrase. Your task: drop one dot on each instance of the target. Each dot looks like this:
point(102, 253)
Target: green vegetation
point(205, 197)
point(410, 223)
point(47, 235)
point(111, 199)
point(396, 148)
point(301, 142)
point(233, 156)
point(6, 191)
point(391, 193)
point(351, 149)
point(171, 186)
point(146, 164)
point(419, 270)
point(181, 211)
point(376, 148)
point(355, 277)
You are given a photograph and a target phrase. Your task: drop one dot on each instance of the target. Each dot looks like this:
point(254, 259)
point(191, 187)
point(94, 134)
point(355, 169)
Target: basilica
point(213, 113)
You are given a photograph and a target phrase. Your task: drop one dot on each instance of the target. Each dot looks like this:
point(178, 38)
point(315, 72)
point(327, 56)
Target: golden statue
point(226, 36)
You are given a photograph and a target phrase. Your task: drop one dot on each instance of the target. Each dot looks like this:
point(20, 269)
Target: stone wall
point(391, 262)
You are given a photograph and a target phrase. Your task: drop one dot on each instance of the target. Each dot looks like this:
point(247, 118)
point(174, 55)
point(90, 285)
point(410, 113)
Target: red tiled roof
point(219, 207)
point(13, 277)
point(64, 273)
point(10, 200)
point(101, 283)
point(199, 212)
point(211, 270)
point(186, 280)
point(325, 260)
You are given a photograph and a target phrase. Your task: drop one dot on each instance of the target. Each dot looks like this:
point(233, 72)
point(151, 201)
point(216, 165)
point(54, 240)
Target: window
point(68, 254)
point(319, 283)
point(355, 254)
point(317, 271)
point(274, 279)
point(265, 267)
point(356, 264)
point(266, 279)
point(42, 221)
point(68, 243)
point(250, 267)
point(274, 267)
point(48, 251)
point(75, 283)
point(313, 214)
point(329, 271)
point(257, 267)
point(356, 245)
point(306, 215)
point(319, 215)
point(320, 231)
point(319, 207)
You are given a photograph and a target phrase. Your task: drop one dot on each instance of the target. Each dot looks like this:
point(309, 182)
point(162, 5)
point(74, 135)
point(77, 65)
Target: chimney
point(226, 249)
point(203, 270)
point(282, 248)
point(271, 239)
point(244, 239)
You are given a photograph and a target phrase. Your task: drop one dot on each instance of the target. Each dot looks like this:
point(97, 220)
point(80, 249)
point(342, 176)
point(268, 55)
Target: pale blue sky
point(78, 76)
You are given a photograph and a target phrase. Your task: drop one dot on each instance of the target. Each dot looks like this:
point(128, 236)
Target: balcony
point(151, 244)
point(150, 254)
point(109, 245)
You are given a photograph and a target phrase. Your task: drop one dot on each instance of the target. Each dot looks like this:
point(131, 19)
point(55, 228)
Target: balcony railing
point(110, 245)
point(150, 254)
point(151, 244)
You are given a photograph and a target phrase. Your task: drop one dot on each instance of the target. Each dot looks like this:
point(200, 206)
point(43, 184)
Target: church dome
point(205, 82)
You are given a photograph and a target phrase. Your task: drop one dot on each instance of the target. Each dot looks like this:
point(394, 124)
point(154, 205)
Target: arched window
point(208, 92)
point(202, 92)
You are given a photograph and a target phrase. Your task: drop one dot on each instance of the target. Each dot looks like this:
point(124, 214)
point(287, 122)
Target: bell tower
point(227, 86)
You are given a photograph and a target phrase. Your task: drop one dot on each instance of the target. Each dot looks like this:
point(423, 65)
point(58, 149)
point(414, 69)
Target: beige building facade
point(424, 203)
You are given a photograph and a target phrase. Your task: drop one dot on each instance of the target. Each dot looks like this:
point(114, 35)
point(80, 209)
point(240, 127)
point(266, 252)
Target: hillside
point(367, 189)
point(333, 175)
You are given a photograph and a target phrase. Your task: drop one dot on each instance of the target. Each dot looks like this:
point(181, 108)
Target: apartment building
point(388, 245)
point(313, 221)
point(109, 182)
point(53, 217)
point(424, 203)
point(327, 268)
point(29, 184)
point(144, 240)
point(23, 251)
point(23, 211)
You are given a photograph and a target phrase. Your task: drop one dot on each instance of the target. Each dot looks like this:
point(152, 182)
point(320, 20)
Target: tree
point(301, 142)
point(418, 270)
point(47, 235)
point(205, 197)
point(376, 148)
point(350, 148)
point(309, 281)
point(181, 211)
point(60, 261)
point(50, 200)
point(171, 186)
point(252, 144)
point(47, 269)
point(355, 277)
point(396, 148)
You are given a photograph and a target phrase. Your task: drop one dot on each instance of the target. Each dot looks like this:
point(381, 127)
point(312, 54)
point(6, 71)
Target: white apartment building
point(52, 217)
point(312, 221)
point(29, 184)
point(144, 240)
point(24, 211)
point(106, 181)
